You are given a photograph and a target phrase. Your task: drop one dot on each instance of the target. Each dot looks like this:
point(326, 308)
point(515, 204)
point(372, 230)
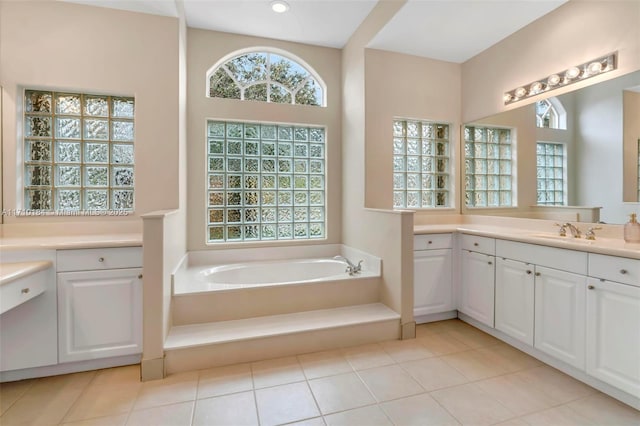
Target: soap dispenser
point(632, 230)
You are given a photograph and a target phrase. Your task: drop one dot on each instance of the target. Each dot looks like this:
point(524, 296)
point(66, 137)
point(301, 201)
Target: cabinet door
point(560, 315)
point(432, 290)
point(613, 334)
point(514, 299)
point(99, 314)
point(477, 286)
point(29, 332)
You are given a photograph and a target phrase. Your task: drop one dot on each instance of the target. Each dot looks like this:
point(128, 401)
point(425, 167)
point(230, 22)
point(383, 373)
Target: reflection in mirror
point(569, 152)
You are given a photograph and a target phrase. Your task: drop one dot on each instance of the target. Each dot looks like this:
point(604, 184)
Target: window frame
point(512, 166)
point(23, 207)
point(266, 50)
point(563, 167)
point(275, 240)
point(436, 139)
point(558, 110)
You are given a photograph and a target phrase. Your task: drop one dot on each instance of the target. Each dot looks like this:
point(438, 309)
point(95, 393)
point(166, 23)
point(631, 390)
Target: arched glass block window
point(551, 114)
point(267, 77)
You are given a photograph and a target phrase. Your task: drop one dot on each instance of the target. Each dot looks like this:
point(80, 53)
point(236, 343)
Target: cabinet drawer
point(99, 258)
point(478, 244)
point(432, 241)
point(551, 257)
point(617, 269)
point(23, 289)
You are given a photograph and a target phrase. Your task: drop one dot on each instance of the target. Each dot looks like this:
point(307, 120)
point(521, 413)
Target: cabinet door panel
point(560, 315)
point(515, 299)
point(477, 289)
point(99, 314)
point(613, 334)
point(432, 287)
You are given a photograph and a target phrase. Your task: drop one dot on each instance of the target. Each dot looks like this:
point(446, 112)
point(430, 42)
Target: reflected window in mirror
point(488, 167)
point(550, 114)
point(551, 174)
point(421, 164)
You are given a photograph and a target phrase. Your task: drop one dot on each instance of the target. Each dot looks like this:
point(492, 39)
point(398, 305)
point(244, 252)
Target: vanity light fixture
point(569, 76)
point(279, 6)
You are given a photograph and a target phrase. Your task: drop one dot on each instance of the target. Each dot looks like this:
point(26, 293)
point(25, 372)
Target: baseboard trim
point(152, 369)
point(69, 367)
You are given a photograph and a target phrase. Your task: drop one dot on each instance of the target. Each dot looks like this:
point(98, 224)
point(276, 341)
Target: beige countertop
point(70, 242)
point(10, 272)
point(607, 246)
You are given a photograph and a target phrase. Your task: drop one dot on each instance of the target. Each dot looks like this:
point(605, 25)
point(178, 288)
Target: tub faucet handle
point(354, 269)
point(351, 268)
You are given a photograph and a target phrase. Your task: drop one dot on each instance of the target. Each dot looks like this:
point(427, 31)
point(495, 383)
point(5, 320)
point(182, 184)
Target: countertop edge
point(70, 242)
point(22, 269)
point(519, 235)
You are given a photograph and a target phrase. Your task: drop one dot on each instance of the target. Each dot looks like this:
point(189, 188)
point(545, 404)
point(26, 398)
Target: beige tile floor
point(451, 374)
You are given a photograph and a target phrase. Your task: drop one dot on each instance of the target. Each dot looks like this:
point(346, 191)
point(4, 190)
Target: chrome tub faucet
point(351, 268)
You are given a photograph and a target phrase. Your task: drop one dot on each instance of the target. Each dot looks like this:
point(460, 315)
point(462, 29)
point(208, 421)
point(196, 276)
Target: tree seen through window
point(266, 77)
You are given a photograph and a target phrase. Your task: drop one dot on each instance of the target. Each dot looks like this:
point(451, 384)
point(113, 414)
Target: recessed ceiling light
point(279, 6)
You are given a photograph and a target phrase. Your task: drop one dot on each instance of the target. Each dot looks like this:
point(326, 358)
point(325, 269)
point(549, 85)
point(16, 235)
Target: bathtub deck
point(195, 335)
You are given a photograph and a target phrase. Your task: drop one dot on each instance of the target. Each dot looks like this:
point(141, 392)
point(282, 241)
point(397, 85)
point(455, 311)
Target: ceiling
point(449, 30)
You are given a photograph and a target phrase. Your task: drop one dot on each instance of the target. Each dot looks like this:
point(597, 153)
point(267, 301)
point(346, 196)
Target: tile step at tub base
point(198, 346)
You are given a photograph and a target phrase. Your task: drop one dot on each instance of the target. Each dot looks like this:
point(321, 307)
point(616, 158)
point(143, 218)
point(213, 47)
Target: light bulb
point(535, 88)
point(594, 68)
point(553, 80)
point(507, 97)
point(279, 6)
point(572, 73)
point(520, 92)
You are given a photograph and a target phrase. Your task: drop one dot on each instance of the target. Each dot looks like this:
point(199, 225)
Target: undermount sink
point(567, 239)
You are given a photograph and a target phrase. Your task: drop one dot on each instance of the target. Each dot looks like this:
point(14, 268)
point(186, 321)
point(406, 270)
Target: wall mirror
point(589, 160)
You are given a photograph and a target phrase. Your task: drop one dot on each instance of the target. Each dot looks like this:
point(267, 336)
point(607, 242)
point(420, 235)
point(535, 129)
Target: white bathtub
point(196, 274)
point(275, 272)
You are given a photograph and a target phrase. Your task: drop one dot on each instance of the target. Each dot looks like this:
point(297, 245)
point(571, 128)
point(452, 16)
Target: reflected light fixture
point(279, 6)
point(569, 76)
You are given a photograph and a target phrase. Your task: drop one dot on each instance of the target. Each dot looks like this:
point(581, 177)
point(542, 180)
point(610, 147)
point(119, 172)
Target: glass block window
point(78, 151)
point(266, 77)
point(488, 164)
point(550, 161)
point(420, 164)
point(265, 182)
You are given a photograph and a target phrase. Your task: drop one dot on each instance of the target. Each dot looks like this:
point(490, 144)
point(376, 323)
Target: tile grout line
point(95, 374)
point(31, 382)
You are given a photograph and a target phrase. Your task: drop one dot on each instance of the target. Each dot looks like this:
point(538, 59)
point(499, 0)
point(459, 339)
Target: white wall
point(405, 86)
point(572, 34)
point(206, 48)
point(386, 234)
point(599, 141)
point(631, 135)
point(55, 45)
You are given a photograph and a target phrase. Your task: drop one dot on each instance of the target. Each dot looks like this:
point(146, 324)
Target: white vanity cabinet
point(432, 270)
point(515, 284)
point(477, 284)
point(99, 303)
point(28, 331)
point(560, 315)
point(613, 322)
point(547, 286)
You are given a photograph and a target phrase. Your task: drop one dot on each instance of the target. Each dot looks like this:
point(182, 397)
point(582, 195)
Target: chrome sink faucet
point(351, 268)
